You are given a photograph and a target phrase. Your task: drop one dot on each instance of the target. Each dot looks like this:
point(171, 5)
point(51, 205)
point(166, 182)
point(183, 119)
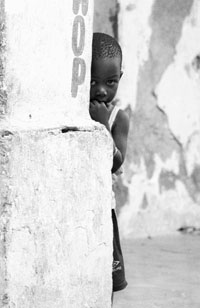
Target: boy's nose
point(101, 91)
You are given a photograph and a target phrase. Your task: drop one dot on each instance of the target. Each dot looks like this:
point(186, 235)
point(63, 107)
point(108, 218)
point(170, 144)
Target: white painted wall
point(55, 184)
point(39, 50)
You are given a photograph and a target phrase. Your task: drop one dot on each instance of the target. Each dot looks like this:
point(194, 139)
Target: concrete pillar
point(55, 181)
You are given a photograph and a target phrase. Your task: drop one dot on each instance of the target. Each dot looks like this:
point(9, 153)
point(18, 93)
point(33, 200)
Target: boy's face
point(105, 77)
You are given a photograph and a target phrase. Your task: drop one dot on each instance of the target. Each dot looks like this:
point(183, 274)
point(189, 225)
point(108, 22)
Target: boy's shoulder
point(121, 124)
point(122, 118)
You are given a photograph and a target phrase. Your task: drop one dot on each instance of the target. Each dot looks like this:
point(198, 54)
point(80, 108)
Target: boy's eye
point(111, 82)
point(93, 82)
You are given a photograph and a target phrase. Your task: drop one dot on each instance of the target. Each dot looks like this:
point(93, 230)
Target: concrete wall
point(159, 190)
point(55, 224)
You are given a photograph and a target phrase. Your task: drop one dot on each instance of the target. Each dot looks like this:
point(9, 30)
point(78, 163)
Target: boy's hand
point(99, 112)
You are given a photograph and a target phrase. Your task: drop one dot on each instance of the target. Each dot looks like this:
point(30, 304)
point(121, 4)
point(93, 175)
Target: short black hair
point(105, 46)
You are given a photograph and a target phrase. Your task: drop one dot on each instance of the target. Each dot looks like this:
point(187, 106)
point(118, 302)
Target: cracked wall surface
point(55, 162)
point(56, 237)
point(159, 190)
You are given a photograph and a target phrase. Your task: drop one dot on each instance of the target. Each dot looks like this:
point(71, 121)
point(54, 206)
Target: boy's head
point(105, 46)
point(106, 68)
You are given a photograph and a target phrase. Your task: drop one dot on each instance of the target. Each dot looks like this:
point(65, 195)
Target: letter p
point(78, 75)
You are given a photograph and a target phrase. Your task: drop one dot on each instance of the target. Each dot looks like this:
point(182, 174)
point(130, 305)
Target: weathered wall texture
point(159, 191)
point(55, 233)
point(55, 224)
point(162, 169)
point(106, 17)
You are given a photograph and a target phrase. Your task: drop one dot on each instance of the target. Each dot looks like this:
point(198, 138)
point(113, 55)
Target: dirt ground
point(162, 272)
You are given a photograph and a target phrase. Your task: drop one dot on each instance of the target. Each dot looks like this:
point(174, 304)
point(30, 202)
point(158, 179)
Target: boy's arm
point(99, 113)
point(120, 136)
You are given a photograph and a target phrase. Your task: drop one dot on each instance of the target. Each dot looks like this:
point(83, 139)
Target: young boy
point(105, 76)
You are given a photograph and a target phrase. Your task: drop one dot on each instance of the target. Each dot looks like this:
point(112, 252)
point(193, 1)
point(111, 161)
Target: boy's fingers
point(94, 102)
point(91, 104)
point(97, 102)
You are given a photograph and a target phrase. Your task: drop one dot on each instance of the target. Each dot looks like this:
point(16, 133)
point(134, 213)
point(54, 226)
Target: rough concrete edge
point(55, 130)
point(5, 206)
point(3, 92)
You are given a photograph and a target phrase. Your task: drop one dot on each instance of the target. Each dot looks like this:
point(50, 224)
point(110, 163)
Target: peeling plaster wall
point(162, 167)
point(55, 162)
point(159, 190)
point(106, 17)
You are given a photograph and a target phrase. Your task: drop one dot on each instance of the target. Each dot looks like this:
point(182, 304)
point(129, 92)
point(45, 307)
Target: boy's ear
point(121, 73)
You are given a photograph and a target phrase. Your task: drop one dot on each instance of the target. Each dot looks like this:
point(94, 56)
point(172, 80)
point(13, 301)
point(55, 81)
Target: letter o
point(78, 30)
